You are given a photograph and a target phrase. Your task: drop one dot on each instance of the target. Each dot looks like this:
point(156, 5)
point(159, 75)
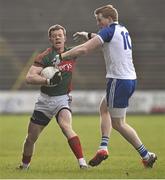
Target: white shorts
point(48, 106)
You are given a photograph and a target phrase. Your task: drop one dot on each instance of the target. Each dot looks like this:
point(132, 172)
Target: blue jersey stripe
point(107, 33)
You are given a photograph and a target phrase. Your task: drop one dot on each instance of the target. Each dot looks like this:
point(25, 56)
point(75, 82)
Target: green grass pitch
point(53, 158)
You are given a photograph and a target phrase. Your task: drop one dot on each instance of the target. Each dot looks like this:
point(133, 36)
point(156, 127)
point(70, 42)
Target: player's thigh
point(103, 105)
point(63, 110)
point(117, 122)
point(65, 118)
point(41, 117)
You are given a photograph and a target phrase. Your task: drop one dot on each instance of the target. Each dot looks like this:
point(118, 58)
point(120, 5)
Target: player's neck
point(60, 50)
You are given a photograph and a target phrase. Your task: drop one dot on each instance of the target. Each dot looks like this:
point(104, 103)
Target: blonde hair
point(107, 11)
point(56, 27)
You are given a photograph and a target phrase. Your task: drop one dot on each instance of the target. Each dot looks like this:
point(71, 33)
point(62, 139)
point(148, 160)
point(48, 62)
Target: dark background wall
point(23, 31)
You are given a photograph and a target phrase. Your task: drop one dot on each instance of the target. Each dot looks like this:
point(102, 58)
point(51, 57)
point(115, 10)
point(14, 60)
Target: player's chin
point(58, 46)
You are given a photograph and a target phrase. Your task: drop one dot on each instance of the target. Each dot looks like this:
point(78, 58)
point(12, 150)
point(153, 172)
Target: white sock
point(82, 161)
point(25, 165)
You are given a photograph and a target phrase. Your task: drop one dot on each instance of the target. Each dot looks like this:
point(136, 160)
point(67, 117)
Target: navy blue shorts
point(119, 91)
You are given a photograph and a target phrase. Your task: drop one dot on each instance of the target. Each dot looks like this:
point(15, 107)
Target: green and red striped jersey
point(66, 66)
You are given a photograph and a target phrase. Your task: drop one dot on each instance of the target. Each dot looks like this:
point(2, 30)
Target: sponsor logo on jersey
point(67, 65)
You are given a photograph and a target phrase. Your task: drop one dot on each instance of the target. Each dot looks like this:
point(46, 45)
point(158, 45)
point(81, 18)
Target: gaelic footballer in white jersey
point(117, 50)
point(120, 71)
point(121, 81)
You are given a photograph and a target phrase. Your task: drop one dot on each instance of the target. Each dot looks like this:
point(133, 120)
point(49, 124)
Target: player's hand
point(79, 36)
point(55, 80)
point(56, 60)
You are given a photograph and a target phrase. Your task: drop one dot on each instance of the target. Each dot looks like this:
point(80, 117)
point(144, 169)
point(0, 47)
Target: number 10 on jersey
point(126, 40)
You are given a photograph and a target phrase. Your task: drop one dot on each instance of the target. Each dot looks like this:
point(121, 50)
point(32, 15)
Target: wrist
point(60, 56)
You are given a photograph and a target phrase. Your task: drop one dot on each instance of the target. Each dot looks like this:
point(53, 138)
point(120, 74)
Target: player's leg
point(105, 124)
point(28, 147)
point(131, 136)
point(118, 101)
point(64, 119)
point(38, 121)
point(126, 131)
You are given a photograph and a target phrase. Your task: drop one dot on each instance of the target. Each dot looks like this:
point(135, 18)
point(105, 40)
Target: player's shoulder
point(44, 53)
point(107, 32)
point(121, 26)
point(39, 58)
point(115, 25)
point(108, 29)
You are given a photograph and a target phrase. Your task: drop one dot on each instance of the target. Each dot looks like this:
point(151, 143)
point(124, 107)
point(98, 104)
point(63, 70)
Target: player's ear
point(65, 38)
point(110, 18)
point(50, 40)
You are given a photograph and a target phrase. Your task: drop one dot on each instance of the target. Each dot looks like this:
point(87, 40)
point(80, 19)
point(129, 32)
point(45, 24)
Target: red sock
point(26, 159)
point(75, 145)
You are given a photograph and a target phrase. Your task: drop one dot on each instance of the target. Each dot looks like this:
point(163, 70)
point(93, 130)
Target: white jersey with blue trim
point(117, 50)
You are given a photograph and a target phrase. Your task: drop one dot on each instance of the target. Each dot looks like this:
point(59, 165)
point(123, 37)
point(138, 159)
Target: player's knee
point(67, 130)
point(65, 120)
point(65, 127)
point(117, 124)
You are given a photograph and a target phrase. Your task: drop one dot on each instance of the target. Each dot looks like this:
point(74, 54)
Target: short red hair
point(107, 11)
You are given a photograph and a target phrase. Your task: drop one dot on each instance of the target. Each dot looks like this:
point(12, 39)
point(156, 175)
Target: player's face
point(102, 21)
point(57, 38)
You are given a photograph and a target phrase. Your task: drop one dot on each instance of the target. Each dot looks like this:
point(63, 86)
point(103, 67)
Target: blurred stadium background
point(23, 33)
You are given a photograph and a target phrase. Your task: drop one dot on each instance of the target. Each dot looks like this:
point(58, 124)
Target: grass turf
point(53, 158)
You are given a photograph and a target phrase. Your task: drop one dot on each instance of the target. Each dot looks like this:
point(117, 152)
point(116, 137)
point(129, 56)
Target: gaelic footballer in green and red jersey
point(66, 67)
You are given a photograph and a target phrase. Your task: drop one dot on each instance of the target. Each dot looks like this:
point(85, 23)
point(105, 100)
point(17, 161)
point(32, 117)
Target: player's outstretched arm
point(79, 36)
point(81, 49)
